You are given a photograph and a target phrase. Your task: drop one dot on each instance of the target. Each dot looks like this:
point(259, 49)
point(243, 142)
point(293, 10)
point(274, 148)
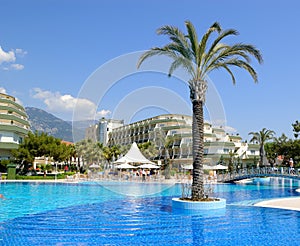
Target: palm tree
point(168, 145)
point(199, 58)
point(148, 149)
point(232, 155)
point(111, 153)
point(165, 143)
point(261, 138)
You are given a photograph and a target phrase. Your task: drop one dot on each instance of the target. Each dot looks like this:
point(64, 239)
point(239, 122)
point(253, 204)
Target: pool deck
point(292, 203)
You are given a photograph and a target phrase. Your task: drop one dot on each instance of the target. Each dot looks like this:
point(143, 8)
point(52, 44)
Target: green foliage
point(287, 148)
point(200, 57)
point(111, 152)
point(3, 165)
point(89, 151)
point(95, 152)
point(262, 137)
point(47, 177)
point(148, 149)
point(41, 145)
point(296, 128)
point(34, 177)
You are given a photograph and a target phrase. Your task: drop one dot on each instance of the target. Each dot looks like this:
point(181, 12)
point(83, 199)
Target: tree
point(199, 58)
point(110, 153)
point(168, 146)
point(296, 128)
point(148, 149)
point(89, 151)
point(231, 166)
point(261, 138)
point(285, 147)
point(38, 145)
point(166, 143)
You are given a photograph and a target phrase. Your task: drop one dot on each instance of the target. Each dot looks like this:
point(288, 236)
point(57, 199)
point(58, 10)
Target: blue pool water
point(141, 214)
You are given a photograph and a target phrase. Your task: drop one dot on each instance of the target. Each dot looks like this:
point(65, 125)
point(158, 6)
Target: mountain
point(43, 121)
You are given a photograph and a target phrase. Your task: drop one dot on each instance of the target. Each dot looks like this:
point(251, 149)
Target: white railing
point(256, 172)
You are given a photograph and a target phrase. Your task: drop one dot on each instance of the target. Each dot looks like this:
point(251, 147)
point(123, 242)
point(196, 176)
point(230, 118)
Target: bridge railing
point(250, 172)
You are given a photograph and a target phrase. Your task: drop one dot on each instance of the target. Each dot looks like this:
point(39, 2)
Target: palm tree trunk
point(198, 150)
point(261, 155)
point(167, 164)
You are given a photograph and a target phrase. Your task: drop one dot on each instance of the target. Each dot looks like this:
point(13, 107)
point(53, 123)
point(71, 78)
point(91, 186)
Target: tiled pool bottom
point(152, 221)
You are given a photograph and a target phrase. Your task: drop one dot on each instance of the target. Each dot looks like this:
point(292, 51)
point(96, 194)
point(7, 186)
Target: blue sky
point(57, 55)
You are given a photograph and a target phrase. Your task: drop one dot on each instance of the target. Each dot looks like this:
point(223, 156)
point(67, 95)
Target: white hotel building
point(217, 143)
point(14, 125)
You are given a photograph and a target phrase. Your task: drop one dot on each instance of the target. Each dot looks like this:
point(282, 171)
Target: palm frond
point(202, 45)
point(182, 62)
point(184, 49)
point(222, 65)
point(243, 50)
point(221, 36)
point(231, 56)
point(179, 49)
point(154, 52)
point(177, 37)
point(235, 50)
point(192, 36)
point(204, 69)
point(244, 65)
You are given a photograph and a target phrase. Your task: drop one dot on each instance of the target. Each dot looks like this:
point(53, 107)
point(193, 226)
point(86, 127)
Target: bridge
point(245, 173)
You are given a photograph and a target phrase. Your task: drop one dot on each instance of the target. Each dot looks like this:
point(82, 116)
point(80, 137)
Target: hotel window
point(226, 151)
point(252, 152)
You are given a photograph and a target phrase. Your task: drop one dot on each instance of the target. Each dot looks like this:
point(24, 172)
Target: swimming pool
point(103, 214)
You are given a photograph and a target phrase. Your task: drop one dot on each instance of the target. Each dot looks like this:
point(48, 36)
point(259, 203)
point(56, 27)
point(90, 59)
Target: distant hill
point(43, 121)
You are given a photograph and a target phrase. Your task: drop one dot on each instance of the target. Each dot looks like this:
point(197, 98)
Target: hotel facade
point(218, 145)
point(100, 131)
point(14, 125)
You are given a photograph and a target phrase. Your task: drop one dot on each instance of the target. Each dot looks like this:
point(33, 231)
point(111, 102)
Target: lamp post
point(55, 171)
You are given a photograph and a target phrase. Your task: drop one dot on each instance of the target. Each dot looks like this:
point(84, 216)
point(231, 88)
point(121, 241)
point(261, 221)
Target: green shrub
point(21, 177)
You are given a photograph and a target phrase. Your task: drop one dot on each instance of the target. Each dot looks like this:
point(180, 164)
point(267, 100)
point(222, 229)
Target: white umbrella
point(148, 166)
point(188, 167)
point(125, 166)
point(206, 167)
point(220, 167)
point(94, 166)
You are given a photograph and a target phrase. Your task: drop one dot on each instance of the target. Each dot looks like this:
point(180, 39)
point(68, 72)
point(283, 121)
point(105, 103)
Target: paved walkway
point(292, 203)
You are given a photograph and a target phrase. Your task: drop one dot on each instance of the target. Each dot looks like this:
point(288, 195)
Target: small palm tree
point(168, 144)
point(148, 149)
point(163, 142)
point(261, 138)
point(199, 58)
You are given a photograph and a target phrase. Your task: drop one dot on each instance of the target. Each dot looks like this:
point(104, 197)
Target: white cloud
point(19, 101)
point(10, 58)
point(17, 66)
point(230, 129)
point(7, 56)
point(102, 113)
point(20, 52)
point(57, 103)
point(2, 90)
